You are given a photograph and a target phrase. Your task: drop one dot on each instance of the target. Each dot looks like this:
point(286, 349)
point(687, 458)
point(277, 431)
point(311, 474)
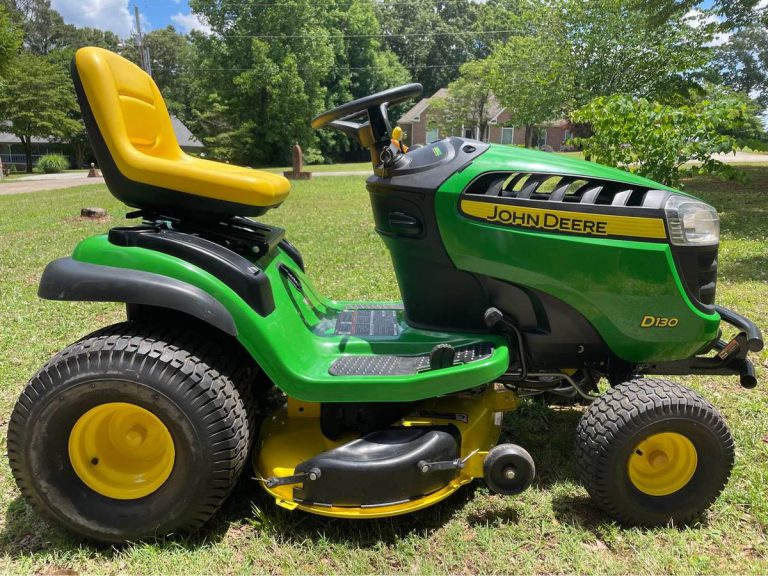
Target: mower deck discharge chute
point(521, 273)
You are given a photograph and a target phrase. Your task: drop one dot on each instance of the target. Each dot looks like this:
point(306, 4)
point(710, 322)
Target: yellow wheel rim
point(662, 464)
point(121, 450)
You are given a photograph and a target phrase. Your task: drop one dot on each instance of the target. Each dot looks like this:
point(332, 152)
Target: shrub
point(313, 156)
point(657, 140)
point(52, 163)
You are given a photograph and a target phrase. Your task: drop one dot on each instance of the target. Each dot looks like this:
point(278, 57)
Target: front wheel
point(134, 431)
point(651, 452)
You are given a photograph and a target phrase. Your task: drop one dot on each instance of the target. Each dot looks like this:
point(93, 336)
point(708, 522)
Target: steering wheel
point(368, 104)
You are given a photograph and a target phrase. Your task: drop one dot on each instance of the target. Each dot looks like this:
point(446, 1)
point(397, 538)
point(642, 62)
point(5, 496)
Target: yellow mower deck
point(292, 435)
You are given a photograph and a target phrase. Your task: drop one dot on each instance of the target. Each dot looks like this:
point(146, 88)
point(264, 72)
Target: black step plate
point(390, 365)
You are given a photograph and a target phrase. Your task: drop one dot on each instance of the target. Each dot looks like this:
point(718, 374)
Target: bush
point(52, 163)
point(657, 140)
point(313, 156)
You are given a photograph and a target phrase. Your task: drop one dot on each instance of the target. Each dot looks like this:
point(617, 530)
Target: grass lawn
point(552, 527)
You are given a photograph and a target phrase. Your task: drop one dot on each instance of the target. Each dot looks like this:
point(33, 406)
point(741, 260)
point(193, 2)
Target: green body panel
point(290, 344)
point(613, 283)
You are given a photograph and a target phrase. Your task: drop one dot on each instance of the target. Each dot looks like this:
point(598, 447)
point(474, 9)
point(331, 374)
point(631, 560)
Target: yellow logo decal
point(658, 322)
point(565, 221)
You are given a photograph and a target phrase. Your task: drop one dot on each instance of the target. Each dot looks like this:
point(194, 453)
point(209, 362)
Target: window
point(432, 135)
point(507, 135)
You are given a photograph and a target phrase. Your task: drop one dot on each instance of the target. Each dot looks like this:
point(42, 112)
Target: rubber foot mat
point(367, 322)
point(390, 365)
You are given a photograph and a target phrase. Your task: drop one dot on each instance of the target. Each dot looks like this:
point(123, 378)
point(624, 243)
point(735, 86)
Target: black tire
point(195, 381)
point(505, 457)
point(614, 425)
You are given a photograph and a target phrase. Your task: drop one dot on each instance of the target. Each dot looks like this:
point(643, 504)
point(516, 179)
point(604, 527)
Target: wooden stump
point(296, 173)
point(93, 213)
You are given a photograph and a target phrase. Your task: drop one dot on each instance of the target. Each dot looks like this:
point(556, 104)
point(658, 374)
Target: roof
point(183, 135)
point(8, 138)
point(494, 111)
point(413, 114)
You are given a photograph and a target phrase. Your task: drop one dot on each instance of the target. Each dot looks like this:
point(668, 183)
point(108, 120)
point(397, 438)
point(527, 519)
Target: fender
point(69, 280)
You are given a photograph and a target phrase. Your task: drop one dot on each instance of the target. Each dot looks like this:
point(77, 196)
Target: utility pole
point(146, 63)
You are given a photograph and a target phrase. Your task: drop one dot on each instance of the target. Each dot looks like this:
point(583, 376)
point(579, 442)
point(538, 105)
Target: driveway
point(41, 182)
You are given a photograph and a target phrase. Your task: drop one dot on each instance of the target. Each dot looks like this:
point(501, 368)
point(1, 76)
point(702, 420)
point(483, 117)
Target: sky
point(117, 15)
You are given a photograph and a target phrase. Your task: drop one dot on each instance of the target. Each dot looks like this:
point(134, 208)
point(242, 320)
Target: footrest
point(391, 365)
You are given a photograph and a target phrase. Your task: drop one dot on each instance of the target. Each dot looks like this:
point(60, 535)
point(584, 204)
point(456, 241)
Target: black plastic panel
point(70, 280)
point(380, 468)
point(391, 365)
point(697, 266)
point(237, 272)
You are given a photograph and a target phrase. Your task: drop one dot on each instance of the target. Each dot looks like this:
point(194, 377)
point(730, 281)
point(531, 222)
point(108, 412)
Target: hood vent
point(565, 188)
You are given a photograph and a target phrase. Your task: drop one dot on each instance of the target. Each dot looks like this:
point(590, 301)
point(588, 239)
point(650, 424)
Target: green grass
point(553, 527)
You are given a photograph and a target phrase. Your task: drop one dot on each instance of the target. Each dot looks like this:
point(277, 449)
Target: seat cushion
point(133, 139)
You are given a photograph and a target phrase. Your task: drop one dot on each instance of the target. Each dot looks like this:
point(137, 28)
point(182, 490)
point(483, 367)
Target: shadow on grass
point(745, 269)
point(546, 432)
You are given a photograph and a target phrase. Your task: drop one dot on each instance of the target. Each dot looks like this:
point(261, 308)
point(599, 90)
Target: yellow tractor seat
point(133, 140)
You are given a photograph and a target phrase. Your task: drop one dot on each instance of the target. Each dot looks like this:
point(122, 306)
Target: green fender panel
point(295, 357)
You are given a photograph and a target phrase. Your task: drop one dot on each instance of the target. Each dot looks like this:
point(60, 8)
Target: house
point(415, 124)
point(12, 151)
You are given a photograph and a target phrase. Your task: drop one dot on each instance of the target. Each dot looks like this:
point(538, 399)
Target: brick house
point(415, 124)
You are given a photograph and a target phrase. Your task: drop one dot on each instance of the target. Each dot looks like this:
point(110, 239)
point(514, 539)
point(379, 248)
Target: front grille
point(697, 266)
point(564, 188)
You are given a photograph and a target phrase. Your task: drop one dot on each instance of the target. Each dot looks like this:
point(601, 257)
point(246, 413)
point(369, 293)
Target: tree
point(742, 61)
point(471, 93)
point(532, 77)
point(656, 140)
point(469, 101)
point(272, 66)
point(38, 100)
point(431, 39)
point(731, 14)
point(169, 52)
point(10, 39)
point(263, 53)
point(616, 48)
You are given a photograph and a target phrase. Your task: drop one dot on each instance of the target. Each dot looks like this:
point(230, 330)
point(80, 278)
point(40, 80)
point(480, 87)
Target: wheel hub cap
point(121, 450)
point(662, 464)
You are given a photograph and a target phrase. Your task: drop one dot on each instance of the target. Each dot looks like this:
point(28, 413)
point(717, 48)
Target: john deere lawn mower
point(522, 273)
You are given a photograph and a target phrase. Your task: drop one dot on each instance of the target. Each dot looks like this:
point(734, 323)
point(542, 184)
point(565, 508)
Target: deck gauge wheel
point(508, 469)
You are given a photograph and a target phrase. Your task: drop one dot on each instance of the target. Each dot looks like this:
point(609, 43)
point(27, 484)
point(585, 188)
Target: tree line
point(249, 88)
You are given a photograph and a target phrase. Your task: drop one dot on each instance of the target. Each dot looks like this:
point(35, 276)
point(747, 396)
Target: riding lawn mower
point(522, 273)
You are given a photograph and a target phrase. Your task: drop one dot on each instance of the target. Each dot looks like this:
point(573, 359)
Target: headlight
point(691, 223)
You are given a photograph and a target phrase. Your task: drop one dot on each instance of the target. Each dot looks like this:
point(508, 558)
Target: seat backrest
point(126, 104)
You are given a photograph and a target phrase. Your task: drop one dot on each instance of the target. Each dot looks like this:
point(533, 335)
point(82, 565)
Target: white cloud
point(696, 18)
point(188, 22)
point(104, 14)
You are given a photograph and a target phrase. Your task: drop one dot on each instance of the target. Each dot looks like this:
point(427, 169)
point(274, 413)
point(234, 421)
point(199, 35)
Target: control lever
point(442, 356)
point(494, 318)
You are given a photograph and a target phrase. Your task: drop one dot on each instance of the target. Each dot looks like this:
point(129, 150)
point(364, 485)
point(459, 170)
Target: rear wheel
point(652, 452)
point(135, 431)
